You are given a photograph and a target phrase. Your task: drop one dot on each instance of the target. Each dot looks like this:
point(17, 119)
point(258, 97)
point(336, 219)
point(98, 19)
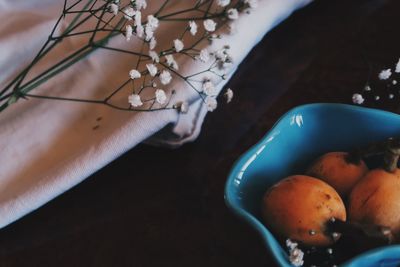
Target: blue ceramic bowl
point(300, 136)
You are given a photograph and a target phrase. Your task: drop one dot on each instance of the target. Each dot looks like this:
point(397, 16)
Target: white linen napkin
point(47, 147)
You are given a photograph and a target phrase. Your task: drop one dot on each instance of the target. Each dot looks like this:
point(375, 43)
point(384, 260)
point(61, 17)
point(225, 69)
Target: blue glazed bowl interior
point(300, 136)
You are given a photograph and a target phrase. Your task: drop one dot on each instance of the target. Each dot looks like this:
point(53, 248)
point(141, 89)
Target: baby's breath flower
point(228, 95)
point(138, 18)
point(204, 55)
point(129, 12)
point(178, 45)
point(149, 32)
point(114, 9)
point(152, 22)
point(224, 60)
point(171, 62)
point(161, 97)
point(165, 77)
point(152, 43)
point(233, 13)
point(128, 32)
point(182, 107)
point(358, 99)
point(295, 254)
point(152, 69)
point(211, 103)
point(193, 27)
point(223, 3)
point(397, 70)
point(385, 74)
point(141, 4)
point(251, 3)
point(227, 63)
point(134, 74)
point(134, 100)
point(209, 88)
point(296, 257)
point(220, 54)
point(154, 56)
point(139, 31)
point(209, 25)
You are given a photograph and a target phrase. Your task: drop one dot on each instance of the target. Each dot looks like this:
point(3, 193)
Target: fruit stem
point(392, 154)
point(372, 235)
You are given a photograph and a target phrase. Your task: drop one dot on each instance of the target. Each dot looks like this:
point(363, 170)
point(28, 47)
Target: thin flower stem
point(161, 8)
point(97, 10)
point(91, 101)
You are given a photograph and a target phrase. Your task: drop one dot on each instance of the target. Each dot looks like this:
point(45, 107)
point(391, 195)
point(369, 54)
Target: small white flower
point(182, 107)
point(161, 97)
point(211, 103)
point(129, 12)
point(154, 56)
point(385, 74)
point(233, 13)
point(397, 70)
point(152, 69)
point(358, 99)
point(223, 3)
point(138, 18)
point(251, 3)
point(295, 254)
point(152, 43)
point(114, 9)
point(204, 55)
point(296, 257)
point(228, 95)
point(209, 25)
point(139, 31)
point(128, 32)
point(394, 82)
point(141, 4)
point(152, 22)
point(209, 88)
point(134, 74)
point(227, 63)
point(220, 54)
point(178, 45)
point(134, 100)
point(149, 32)
point(193, 27)
point(165, 77)
point(291, 244)
point(171, 62)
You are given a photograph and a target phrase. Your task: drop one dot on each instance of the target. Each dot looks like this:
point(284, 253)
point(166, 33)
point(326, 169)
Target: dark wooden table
point(159, 207)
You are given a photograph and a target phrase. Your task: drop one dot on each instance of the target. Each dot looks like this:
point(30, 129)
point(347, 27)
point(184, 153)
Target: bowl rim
point(267, 237)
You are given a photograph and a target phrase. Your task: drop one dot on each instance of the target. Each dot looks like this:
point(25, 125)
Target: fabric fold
point(47, 147)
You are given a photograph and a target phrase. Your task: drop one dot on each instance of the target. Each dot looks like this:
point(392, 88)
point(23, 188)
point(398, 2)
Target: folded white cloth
point(47, 147)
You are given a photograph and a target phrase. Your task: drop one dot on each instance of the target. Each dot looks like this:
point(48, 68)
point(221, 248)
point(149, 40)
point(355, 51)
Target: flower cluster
point(156, 66)
point(386, 77)
point(163, 68)
point(295, 254)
